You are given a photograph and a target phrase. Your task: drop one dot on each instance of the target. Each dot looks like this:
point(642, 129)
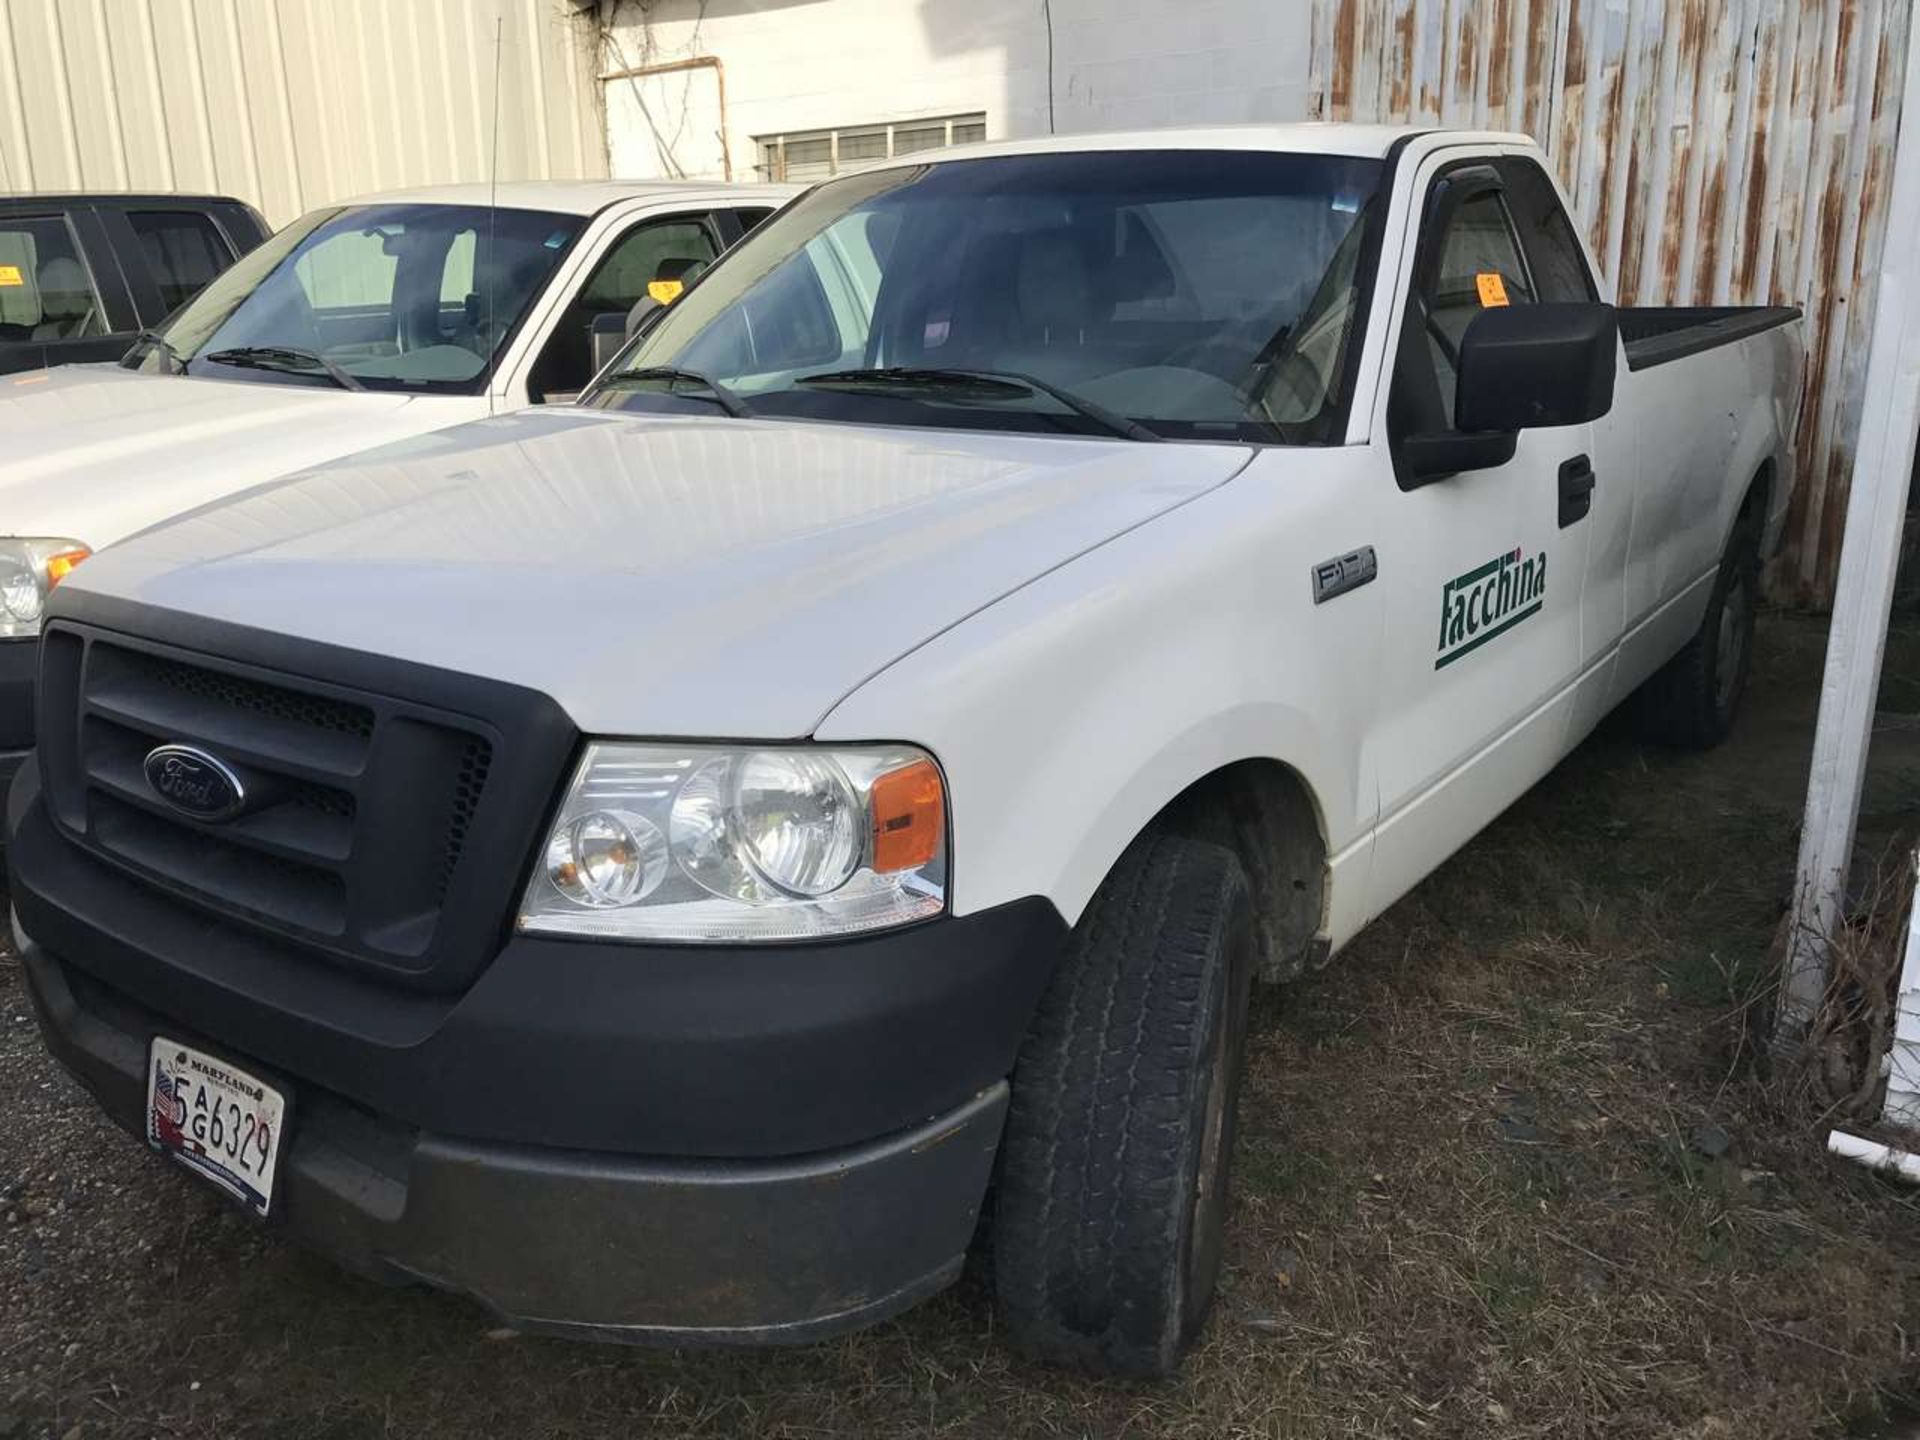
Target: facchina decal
point(1488, 601)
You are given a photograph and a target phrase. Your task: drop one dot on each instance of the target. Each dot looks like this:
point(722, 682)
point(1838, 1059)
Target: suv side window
point(617, 284)
point(46, 292)
point(184, 250)
point(1474, 263)
point(1559, 266)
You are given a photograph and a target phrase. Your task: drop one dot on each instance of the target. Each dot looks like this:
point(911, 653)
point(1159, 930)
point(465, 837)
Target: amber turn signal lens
point(61, 565)
point(909, 816)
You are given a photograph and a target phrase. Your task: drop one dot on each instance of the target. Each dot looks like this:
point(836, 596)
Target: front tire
point(1692, 700)
point(1115, 1170)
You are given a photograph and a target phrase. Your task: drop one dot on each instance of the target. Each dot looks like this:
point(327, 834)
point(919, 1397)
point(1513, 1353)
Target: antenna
point(493, 205)
point(1046, 13)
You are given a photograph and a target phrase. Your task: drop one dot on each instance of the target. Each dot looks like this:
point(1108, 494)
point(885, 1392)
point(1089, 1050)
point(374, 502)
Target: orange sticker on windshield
point(1493, 290)
point(10, 275)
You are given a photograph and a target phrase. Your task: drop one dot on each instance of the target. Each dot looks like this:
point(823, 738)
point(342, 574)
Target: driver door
point(1486, 570)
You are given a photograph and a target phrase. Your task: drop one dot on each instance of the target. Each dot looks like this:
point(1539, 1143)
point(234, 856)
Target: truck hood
point(659, 576)
point(95, 452)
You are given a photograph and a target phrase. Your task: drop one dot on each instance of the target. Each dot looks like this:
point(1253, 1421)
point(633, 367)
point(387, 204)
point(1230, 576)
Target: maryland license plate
point(215, 1119)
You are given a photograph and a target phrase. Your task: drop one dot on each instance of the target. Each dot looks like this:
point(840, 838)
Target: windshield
point(393, 297)
point(1197, 294)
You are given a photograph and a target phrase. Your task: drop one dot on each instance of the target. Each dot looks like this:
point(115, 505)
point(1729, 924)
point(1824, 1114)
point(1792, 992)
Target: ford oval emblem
point(194, 782)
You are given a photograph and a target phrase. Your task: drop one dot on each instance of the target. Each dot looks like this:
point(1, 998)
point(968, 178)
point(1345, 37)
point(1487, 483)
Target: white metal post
point(1876, 508)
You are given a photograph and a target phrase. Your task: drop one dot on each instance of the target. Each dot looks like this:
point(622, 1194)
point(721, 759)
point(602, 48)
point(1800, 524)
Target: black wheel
point(1691, 701)
point(1115, 1169)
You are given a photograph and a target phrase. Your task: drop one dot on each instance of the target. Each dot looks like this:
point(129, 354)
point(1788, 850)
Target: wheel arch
point(1758, 500)
point(1763, 491)
point(1264, 811)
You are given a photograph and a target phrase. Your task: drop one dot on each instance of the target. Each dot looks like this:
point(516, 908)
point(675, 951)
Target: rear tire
point(1116, 1166)
point(1692, 700)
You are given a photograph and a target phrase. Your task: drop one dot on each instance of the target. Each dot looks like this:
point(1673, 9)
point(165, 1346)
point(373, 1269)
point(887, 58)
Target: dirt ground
point(1504, 1172)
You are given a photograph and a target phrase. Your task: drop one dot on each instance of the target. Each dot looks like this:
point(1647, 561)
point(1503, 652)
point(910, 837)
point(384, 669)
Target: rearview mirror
point(1527, 367)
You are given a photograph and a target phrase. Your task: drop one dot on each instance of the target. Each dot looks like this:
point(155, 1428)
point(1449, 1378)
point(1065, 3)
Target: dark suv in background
point(81, 275)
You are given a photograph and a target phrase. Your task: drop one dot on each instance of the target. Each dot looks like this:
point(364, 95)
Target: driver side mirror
point(1521, 367)
point(1530, 367)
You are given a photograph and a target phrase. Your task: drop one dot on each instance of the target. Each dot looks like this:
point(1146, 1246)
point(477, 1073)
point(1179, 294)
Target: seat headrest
point(64, 291)
point(1141, 270)
point(1051, 283)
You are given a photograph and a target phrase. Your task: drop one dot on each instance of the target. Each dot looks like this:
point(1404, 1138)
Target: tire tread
point(1101, 1147)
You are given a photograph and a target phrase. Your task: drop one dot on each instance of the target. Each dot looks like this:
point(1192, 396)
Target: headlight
point(731, 844)
point(28, 570)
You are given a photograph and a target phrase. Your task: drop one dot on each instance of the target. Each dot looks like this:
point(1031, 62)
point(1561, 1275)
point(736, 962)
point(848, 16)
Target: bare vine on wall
point(613, 58)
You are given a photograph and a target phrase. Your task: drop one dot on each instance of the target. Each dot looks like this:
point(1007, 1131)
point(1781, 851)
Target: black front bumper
point(580, 1243)
point(638, 1142)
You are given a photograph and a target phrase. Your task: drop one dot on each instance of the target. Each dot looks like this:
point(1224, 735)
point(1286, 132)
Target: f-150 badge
point(1488, 601)
point(1343, 573)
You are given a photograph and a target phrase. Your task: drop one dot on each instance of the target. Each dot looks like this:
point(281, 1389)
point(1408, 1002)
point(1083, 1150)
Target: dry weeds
point(1505, 1172)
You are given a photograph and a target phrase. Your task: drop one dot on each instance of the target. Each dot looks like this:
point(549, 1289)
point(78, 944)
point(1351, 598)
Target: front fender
point(1069, 714)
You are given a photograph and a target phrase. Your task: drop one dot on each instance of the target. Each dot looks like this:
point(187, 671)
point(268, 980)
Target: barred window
point(815, 154)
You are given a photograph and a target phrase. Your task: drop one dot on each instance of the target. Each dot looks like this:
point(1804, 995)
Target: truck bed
point(1656, 334)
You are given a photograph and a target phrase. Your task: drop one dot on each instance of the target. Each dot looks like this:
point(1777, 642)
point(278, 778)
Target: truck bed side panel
point(1659, 334)
point(1705, 424)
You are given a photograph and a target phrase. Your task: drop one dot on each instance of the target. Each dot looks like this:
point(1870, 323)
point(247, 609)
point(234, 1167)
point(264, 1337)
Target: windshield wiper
point(1009, 381)
point(726, 399)
point(164, 346)
point(288, 359)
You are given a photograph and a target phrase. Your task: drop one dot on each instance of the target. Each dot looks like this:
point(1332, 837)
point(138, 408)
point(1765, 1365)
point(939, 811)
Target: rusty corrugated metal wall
point(1716, 151)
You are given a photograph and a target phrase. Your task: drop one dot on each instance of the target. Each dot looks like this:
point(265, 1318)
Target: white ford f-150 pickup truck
point(659, 866)
point(358, 324)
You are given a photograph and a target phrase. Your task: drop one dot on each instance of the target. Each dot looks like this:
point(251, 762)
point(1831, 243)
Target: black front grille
point(235, 692)
point(363, 809)
point(467, 785)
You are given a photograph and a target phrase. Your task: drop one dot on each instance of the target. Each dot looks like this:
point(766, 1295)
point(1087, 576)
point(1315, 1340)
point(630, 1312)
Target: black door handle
point(1576, 489)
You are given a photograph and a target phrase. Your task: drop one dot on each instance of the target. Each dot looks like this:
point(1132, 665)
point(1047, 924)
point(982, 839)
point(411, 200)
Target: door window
point(617, 284)
point(620, 281)
point(1480, 265)
point(45, 290)
point(1553, 250)
point(184, 251)
point(1474, 263)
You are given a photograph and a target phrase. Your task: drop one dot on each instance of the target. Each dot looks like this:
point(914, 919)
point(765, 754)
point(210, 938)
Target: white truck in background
point(358, 324)
point(654, 866)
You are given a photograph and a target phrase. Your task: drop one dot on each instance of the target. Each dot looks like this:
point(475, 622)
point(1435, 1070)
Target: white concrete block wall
point(793, 65)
